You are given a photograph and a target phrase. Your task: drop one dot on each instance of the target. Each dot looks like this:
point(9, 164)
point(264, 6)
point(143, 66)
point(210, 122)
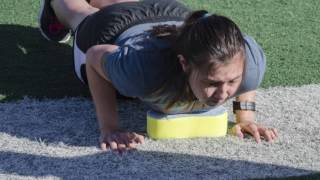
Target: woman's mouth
point(214, 102)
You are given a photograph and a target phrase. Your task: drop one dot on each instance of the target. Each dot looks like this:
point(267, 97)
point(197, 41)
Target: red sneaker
point(49, 25)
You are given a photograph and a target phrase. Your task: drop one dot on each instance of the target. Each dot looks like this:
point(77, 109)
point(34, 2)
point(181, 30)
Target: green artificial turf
point(288, 31)
point(30, 65)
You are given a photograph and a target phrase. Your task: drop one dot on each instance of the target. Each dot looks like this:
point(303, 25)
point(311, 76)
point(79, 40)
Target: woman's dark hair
point(203, 40)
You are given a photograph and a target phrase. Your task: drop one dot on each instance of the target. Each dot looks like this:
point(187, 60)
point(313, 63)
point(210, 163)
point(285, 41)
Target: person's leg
point(103, 3)
point(58, 17)
point(70, 12)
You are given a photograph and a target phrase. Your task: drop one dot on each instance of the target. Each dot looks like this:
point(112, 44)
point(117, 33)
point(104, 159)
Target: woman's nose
point(222, 92)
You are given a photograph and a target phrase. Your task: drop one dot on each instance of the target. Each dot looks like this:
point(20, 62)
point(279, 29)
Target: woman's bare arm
point(246, 122)
point(102, 91)
point(104, 97)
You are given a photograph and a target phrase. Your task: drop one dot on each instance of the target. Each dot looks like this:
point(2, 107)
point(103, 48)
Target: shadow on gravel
point(138, 165)
point(68, 121)
point(33, 66)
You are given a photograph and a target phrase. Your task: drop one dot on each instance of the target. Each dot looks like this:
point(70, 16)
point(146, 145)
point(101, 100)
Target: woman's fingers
point(111, 140)
point(128, 139)
point(253, 129)
point(133, 140)
point(273, 136)
point(275, 132)
point(121, 141)
point(237, 131)
point(131, 145)
point(257, 137)
point(122, 148)
point(268, 135)
point(103, 146)
point(138, 138)
point(257, 131)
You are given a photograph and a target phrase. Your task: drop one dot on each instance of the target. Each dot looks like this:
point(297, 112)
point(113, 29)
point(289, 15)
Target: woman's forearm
point(102, 90)
point(104, 97)
point(243, 115)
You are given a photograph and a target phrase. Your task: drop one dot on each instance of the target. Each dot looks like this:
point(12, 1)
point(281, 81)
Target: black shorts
point(106, 25)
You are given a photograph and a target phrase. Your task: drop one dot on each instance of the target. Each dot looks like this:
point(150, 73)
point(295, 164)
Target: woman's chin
point(212, 104)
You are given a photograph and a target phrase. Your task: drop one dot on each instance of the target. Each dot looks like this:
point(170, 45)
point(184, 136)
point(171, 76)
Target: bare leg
point(71, 12)
point(102, 3)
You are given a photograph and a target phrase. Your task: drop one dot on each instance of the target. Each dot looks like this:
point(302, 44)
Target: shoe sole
point(64, 40)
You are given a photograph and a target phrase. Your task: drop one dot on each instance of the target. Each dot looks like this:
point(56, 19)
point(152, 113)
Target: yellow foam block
point(212, 123)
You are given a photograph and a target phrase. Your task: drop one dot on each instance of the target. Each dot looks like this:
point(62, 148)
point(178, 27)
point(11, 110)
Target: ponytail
point(171, 32)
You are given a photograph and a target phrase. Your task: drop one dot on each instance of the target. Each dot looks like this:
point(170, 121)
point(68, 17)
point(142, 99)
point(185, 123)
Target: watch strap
point(245, 105)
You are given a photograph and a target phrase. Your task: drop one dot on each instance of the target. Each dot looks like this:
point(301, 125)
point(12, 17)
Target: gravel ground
point(57, 139)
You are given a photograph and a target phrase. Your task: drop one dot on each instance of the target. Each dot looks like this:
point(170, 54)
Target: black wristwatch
point(247, 106)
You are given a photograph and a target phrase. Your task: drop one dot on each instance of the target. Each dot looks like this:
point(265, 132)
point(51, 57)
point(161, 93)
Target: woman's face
point(220, 83)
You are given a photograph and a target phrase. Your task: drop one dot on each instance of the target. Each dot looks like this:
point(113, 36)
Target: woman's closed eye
point(215, 84)
point(232, 81)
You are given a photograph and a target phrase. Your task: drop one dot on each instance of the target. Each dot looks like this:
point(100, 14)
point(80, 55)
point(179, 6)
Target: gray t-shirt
point(140, 64)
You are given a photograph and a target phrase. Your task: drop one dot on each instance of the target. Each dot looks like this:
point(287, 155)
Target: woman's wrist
point(244, 105)
point(245, 116)
point(108, 129)
point(108, 125)
point(244, 111)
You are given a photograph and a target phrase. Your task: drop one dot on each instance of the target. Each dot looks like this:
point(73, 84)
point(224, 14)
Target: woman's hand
point(245, 122)
point(256, 130)
point(120, 141)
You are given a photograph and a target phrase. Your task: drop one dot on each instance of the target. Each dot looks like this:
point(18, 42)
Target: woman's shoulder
point(255, 66)
point(139, 65)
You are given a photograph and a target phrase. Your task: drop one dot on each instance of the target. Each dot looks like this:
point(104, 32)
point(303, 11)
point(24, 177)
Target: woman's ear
point(183, 62)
